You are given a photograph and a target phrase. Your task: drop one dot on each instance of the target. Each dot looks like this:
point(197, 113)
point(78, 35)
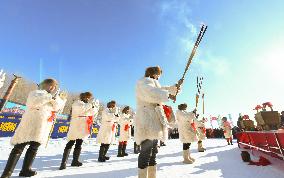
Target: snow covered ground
point(219, 160)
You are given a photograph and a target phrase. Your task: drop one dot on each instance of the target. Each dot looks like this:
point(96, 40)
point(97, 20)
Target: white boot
point(152, 170)
point(143, 173)
point(186, 159)
point(189, 157)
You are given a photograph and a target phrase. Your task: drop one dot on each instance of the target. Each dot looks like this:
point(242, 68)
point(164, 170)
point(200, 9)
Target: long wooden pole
point(197, 42)
point(9, 91)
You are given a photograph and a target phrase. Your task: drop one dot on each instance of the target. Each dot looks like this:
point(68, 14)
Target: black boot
point(135, 148)
point(228, 142)
point(162, 143)
point(120, 153)
point(28, 161)
point(105, 152)
point(101, 154)
point(64, 159)
point(124, 150)
point(11, 163)
point(76, 155)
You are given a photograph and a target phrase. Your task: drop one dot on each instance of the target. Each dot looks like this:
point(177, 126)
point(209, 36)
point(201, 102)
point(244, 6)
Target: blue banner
point(8, 125)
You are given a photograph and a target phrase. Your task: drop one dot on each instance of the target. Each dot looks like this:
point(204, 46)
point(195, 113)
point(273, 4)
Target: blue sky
point(104, 46)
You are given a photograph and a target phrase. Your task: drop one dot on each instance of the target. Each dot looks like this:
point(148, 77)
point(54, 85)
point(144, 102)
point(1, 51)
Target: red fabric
point(52, 117)
point(261, 162)
point(123, 143)
point(193, 126)
point(167, 111)
point(113, 127)
point(89, 123)
point(204, 130)
point(126, 127)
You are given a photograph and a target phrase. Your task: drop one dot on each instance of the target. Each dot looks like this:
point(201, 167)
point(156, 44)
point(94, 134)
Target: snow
point(220, 160)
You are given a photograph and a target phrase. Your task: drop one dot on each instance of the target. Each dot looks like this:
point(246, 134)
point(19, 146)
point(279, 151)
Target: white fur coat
point(34, 125)
point(78, 126)
point(226, 126)
point(124, 121)
point(106, 133)
point(186, 132)
point(148, 121)
point(199, 127)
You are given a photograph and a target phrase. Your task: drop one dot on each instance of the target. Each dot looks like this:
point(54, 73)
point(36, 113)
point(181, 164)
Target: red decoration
point(246, 117)
point(126, 127)
point(113, 127)
point(52, 117)
point(204, 130)
point(193, 126)
point(267, 104)
point(89, 123)
point(258, 107)
point(167, 111)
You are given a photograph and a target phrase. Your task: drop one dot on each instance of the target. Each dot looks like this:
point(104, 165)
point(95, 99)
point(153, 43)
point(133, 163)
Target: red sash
point(113, 127)
point(89, 123)
point(126, 127)
point(167, 111)
point(193, 126)
point(204, 130)
point(52, 117)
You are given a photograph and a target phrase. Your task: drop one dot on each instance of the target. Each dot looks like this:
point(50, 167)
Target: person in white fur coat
point(83, 112)
point(107, 130)
point(125, 123)
point(150, 121)
point(226, 126)
point(187, 131)
point(35, 125)
point(201, 133)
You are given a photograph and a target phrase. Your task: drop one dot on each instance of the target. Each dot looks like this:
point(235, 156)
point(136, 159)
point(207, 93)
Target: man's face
point(87, 99)
point(51, 89)
point(156, 77)
point(112, 106)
